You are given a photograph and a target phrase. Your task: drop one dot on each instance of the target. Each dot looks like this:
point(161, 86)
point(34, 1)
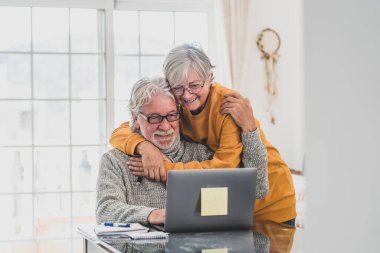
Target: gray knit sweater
point(121, 197)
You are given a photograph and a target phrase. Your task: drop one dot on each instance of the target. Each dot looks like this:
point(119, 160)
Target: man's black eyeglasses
point(156, 118)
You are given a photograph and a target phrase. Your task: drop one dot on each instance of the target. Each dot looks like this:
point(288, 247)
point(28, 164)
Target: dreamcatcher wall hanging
point(269, 42)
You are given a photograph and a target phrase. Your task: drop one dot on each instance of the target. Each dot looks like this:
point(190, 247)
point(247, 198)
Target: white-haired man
point(124, 197)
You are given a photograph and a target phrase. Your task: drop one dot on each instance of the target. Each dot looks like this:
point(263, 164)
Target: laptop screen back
point(184, 211)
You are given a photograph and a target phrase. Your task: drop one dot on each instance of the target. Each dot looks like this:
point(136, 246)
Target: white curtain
point(233, 21)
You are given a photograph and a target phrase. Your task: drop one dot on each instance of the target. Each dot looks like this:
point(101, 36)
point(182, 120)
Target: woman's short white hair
point(143, 91)
point(183, 58)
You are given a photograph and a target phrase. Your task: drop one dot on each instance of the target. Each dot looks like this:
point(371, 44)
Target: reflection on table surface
point(263, 237)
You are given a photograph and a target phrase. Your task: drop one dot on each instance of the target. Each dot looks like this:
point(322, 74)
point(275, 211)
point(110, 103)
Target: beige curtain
point(233, 26)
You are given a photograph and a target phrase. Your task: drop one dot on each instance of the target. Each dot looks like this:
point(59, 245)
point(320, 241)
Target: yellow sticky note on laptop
point(214, 201)
point(224, 250)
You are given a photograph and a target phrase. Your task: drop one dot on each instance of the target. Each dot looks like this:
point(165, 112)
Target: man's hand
point(150, 164)
point(157, 216)
point(240, 109)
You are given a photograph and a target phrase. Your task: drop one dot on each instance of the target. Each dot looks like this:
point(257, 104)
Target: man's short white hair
point(143, 91)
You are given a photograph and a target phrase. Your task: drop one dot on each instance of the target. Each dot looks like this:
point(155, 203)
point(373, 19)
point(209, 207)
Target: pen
point(111, 224)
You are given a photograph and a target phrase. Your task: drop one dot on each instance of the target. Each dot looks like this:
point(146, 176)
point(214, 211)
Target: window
point(53, 122)
point(59, 100)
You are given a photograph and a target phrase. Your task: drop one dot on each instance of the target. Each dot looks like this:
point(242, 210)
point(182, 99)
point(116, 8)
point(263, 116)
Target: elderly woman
point(215, 116)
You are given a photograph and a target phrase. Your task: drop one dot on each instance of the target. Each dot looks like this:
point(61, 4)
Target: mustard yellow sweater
point(221, 134)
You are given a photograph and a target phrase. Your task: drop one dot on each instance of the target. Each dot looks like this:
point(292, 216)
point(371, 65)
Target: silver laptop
point(190, 209)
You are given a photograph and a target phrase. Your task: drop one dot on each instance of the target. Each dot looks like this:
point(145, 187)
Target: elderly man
point(124, 197)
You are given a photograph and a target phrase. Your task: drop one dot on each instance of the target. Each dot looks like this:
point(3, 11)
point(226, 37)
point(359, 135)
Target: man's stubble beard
point(174, 137)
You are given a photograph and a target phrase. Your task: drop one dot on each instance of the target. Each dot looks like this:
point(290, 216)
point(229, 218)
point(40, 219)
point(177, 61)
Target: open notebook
point(149, 235)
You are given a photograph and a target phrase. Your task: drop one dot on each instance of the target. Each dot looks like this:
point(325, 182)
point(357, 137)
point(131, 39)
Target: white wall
point(342, 60)
point(288, 133)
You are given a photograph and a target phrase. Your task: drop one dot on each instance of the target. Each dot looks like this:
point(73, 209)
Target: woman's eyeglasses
point(193, 88)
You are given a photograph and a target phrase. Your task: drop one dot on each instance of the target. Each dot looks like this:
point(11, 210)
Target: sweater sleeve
point(255, 156)
point(111, 196)
point(124, 139)
point(227, 154)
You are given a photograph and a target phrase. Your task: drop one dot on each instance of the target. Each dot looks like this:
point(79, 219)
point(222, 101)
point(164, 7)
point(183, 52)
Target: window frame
point(109, 6)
